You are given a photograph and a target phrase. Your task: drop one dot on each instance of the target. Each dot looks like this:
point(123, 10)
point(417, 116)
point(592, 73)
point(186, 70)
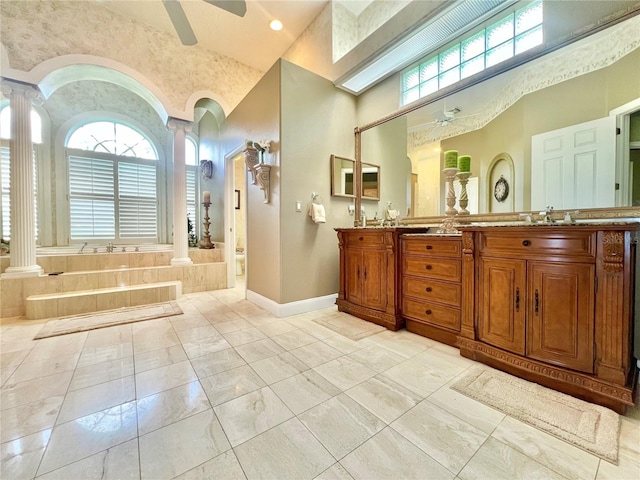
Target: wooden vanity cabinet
point(431, 288)
point(553, 304)
point(369, 274)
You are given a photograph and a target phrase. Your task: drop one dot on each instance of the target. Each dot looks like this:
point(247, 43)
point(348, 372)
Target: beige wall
point(257, 117)
point(210, 150)
point(317, 121)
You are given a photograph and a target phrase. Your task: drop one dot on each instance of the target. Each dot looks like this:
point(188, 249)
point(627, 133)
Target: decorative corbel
point(263, 176)
point(251, 159)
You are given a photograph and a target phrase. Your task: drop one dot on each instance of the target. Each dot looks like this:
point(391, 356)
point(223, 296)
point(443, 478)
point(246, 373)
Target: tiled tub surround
point(87, 272)
point(227, 390)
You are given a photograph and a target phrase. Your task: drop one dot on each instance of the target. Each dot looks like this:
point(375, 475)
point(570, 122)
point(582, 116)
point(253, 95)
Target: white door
point(574, 167)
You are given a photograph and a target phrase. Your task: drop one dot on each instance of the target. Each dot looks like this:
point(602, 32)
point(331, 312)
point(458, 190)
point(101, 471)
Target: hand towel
point(317, 214)
point(392, 214)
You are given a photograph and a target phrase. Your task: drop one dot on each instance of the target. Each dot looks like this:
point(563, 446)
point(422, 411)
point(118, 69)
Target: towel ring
point(315, 198)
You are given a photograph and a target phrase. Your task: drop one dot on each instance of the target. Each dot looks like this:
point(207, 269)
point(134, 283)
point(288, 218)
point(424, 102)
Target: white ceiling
point(247, 39)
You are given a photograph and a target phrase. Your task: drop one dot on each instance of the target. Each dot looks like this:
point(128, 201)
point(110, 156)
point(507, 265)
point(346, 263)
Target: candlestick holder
point(463, 177)
point(206, 238)
point(448, 224)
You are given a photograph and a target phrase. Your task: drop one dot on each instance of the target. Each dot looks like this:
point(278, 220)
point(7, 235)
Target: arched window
point(113, 172)
point(5, 167)
point(191, 167)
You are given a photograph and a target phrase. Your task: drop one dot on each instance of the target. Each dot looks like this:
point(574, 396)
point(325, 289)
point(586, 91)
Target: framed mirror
point(370, 181)
point(342, 177)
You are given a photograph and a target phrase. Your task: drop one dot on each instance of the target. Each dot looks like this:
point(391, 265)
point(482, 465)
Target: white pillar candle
point(206, 197)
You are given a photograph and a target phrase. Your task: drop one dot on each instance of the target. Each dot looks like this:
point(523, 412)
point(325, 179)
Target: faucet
point(363, 217)
point(84, 244)
point(110, 247)
point(546, 215)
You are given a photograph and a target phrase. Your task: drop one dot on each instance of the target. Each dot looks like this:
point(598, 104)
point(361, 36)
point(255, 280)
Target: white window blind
point(5, 191)
point(137, 204)
point(191, 196)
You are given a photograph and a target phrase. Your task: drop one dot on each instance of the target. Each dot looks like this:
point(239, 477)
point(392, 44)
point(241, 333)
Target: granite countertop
point(560, 223)
point(434, 234)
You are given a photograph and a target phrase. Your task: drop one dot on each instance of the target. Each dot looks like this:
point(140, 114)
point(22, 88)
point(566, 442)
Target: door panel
point(374, 286)
point(560, 322)
point(503, 303)
point(354, 276)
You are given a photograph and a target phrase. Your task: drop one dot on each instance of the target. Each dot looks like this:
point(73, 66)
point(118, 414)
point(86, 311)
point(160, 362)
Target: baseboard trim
point(292, 308)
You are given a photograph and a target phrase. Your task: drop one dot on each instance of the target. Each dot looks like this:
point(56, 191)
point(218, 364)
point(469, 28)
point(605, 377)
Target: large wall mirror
point(370, 182)
point(531, 114)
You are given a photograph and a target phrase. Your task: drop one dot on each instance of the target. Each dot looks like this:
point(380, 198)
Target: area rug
point(585, 425)
point(91, 321)
point(351, 327)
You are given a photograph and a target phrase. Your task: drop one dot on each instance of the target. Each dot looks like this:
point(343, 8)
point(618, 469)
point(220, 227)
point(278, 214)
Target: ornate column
point(23, 227)
point(180, 233)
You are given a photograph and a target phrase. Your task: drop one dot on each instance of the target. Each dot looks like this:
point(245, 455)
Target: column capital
point(176, 124)
point(13, 87)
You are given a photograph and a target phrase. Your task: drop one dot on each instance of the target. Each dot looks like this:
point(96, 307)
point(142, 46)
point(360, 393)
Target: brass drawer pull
point(361, 238)
point(428, 312)
point(526, 243)
point(517, 299)
point(428, 289)
point(429, 247)
point(428, 267)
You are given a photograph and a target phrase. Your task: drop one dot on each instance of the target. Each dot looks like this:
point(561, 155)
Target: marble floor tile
point(498, 461)
point(346, 345)
point(245, 417)
point(81, 403)
point(294, 339)
point(406, 344)
point(109, 336)
point(161, 409)
point(73, 441)
point(217, 362)
point(384, 398)
point(43, 368)
point(441, 435)
point(316, 353)
point(159, 358)
point(341, 424)
point(232, 326)
point(196, 333)
point(21, 457)
point(55, 346)
point(390, 456)
point(276, 328)
point(191, 441)
point(22, 393)
point(154, 342)
point(164, 378)
point(151, 328)
point(252, 352)
point(188, 321)
point(93, 355)
point(234, 383)
point(101, 372)
point(417, 377)
point(628, 453)
point(334, 472)
point(318, 331)
point(278, 367)
point(379, 359)
point(345, 372)
point(241, 337)
point(205, 345)
point(569, 461)
point(471, 411)
point(120, 462)
point(305, 390)
point(262, 319)
point(223, 467)
point(29, 418)
point(287, 451)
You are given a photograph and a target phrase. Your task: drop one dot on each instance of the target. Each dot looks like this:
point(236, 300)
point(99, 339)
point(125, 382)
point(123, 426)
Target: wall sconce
point(206, 169)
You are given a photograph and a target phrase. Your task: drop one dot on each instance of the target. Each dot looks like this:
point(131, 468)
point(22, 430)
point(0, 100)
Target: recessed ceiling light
point(275, 25)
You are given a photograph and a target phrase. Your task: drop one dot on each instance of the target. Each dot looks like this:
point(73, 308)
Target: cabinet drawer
point(545, 244)
point(431, 313)
point(432, 290)
point(365, 239)
point(439, 268)
point(432, 246)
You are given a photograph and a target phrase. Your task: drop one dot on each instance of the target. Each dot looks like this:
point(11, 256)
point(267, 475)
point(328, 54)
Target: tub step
point(86, 301)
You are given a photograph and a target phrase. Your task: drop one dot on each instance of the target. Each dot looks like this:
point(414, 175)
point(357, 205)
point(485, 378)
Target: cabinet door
point(502, 298)
point(353, 280)
point(560, 318)
point(374, 273)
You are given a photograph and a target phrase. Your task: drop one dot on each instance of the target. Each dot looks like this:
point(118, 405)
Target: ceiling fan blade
point(180, 22)
point(237, 7)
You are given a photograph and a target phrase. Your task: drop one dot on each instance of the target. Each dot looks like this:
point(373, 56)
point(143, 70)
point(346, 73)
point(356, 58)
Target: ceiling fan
point(181, 23)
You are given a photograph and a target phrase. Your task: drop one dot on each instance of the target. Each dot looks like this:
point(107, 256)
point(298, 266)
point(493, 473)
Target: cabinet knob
point(428, 312)
point(526, 243)
point(428, 267)
point(429, 247)
point(428, 289)
point(360, 238)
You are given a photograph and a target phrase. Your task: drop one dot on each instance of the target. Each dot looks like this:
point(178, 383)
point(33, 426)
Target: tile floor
point(227, 391)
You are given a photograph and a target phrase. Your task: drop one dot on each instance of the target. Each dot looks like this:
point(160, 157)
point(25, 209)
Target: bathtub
point(102, 248)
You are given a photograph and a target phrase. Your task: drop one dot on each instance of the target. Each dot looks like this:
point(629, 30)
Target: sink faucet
point(546, 215)
point(84, 244)
point(110, 247)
